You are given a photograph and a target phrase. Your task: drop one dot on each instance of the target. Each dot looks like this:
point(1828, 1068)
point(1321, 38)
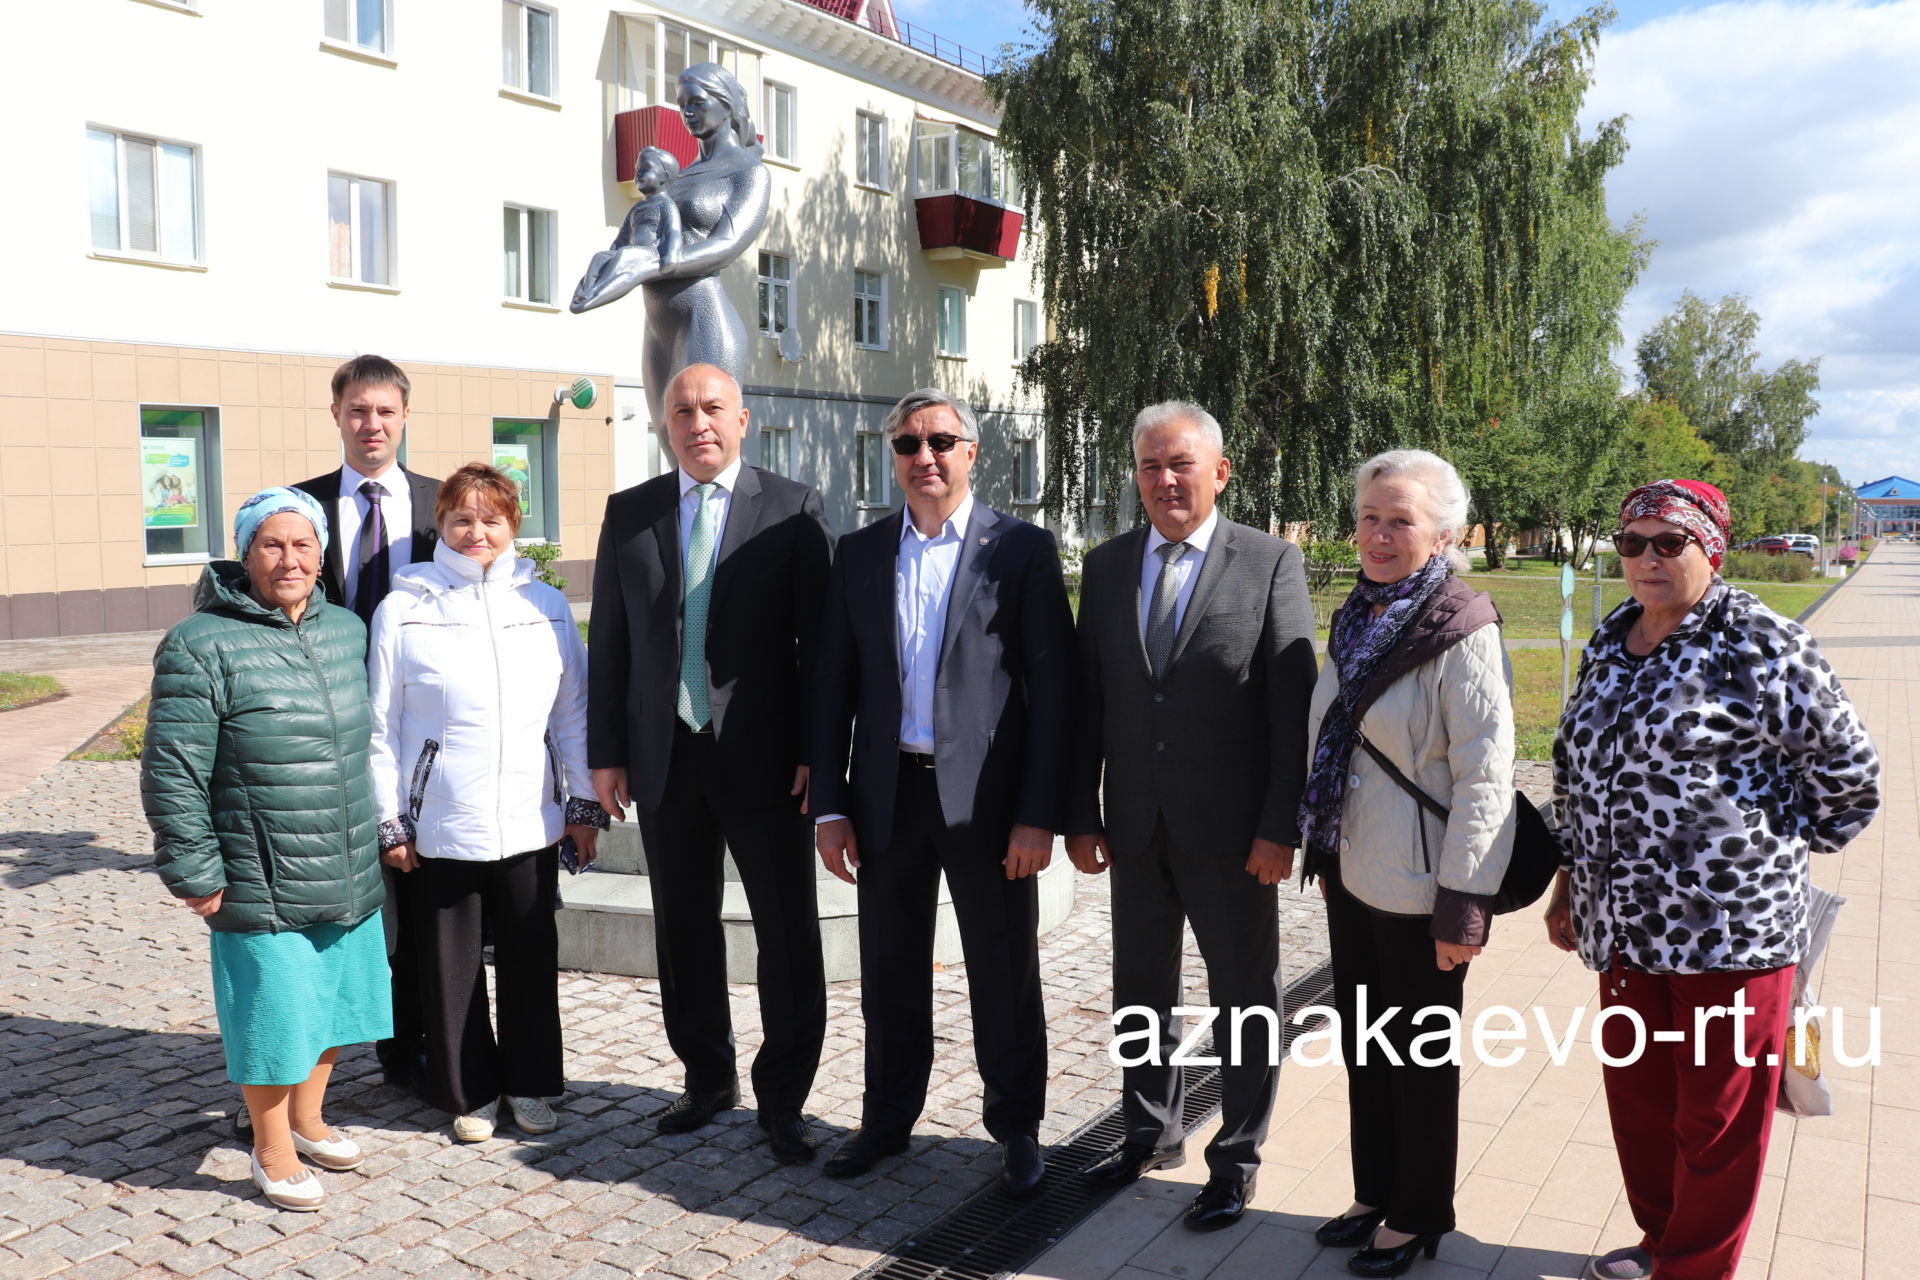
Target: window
point(949, 160)
point(366, 23)
point(523, 448)
point(526, 47)
point(777, 120)
point(1026, 469)
point(360, 215)
point(870, 310)
point(650, 54)
point(635, 55)
point(870, 142)
point(776, 293)
point(528, 247)
point(1026, 327)
point(874, 466)
point(180, 483)
point(145, 196)
point(953, 321)
point(685, 47)
point(1096, 478)
point(776, 450)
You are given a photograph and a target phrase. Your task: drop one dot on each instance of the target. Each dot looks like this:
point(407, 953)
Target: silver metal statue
point(684, 231)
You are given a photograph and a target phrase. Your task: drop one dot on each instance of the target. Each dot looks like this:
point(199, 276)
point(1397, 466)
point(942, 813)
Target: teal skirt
point(284, 999)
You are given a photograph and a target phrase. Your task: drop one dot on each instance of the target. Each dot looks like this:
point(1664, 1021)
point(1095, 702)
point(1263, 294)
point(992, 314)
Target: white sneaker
point(1630, 1263)
point(475, 1126)
point(531, 1115)
point(333, 1152)
point(302, 1194)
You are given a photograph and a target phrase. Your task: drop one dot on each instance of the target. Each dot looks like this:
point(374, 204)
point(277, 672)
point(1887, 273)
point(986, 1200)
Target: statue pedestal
point(606, 916)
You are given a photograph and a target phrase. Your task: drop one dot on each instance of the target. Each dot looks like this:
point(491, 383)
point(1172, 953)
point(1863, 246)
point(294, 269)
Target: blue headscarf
point(271, 502)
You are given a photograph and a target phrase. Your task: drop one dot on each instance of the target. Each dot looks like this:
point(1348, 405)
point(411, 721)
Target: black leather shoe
point(691, 1110)
point(788, 1135)
point(863, 1149)
point(1132, 1160)
point(1393, 1261)
point(1219, 1204)
point(1021, 1166)
point(1346, 1233)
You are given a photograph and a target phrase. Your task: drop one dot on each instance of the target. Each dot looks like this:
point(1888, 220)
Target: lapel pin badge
point(983, 541)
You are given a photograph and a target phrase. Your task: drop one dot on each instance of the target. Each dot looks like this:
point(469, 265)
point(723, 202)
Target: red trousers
point(1693, 1138)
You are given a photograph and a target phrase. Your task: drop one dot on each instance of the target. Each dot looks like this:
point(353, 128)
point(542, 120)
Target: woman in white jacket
point(479, 684)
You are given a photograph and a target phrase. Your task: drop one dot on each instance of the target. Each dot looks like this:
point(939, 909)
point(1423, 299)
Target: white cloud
point(1775, 152)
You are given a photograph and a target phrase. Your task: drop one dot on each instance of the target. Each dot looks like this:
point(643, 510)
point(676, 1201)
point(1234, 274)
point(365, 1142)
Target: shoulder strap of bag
point(1426, 801)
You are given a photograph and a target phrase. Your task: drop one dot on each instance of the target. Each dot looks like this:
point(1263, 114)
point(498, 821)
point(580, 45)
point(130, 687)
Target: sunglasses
point(939, 442)
point(1665, 545)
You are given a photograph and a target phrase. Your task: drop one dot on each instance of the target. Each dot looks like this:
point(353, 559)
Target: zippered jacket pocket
point(422, 770)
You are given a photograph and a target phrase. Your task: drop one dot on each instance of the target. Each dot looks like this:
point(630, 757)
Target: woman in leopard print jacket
point(1706, 749)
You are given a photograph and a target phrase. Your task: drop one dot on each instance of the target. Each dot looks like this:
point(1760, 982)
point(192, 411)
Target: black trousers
point(686, 839)
point(1236, 922)
point(1404, 1121)
point(999, 935)
point(468, 1065)
point(400, 1054)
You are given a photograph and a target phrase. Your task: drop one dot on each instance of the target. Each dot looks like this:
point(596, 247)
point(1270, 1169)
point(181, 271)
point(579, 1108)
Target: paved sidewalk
point(1540, 1184)
point(38, 737)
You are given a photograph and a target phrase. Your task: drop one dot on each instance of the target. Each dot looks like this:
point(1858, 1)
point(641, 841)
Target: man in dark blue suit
point(946, 674)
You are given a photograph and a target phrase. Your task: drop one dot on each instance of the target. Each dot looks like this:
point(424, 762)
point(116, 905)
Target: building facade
point(233, 197)
point(1890, 504)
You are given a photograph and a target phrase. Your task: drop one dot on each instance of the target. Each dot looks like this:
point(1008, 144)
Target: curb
point(1820, 600)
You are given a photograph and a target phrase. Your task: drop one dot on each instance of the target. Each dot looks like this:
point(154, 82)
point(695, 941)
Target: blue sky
point(1774, 152)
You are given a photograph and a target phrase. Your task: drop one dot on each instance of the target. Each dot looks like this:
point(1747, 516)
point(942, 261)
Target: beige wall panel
point(157, 377)
point(116, 469)
point(23, 420)
point(76, 567)
point(120, 563)
point(72, 472)
point(199, 380)
point(76, 519)
point(69, 374)
point(239, 379)
point(23, 371)
point(30, 569)
point(25, 471)
point(27, 519)
point(114, 376)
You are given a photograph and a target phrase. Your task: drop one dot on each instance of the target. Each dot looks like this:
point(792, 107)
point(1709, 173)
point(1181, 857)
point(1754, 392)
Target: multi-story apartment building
point(225, 198)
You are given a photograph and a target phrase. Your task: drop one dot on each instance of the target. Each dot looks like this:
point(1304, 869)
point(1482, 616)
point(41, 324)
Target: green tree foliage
point(1702, 357)
point(1341, 225)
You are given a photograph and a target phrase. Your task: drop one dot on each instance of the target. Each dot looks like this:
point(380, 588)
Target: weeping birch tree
point(1341, 225)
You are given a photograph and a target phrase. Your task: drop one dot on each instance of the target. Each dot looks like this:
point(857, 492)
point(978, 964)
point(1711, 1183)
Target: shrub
point(1758, 566)
point(543, 554)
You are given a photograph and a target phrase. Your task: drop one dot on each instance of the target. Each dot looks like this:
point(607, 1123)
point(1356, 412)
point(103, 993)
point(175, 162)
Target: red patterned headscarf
point(1693, 505)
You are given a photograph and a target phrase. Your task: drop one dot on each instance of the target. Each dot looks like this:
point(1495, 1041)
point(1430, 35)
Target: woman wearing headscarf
point(254, 780)
point(1707, 748)
point(1415, 668)
point(479, 688)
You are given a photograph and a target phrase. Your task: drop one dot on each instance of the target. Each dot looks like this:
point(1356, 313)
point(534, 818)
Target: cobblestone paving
point(116, 1159)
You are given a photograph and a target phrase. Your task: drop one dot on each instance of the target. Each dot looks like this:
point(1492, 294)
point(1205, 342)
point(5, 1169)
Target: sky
point(1774, 151)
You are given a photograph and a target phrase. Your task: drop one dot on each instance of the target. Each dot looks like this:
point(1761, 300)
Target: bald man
point(707, 593)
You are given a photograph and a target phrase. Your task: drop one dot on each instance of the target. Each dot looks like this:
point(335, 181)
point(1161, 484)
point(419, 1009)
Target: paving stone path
point(116, 1158)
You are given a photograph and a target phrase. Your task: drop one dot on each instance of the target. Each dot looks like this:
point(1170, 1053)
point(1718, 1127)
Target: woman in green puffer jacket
point(255, 782)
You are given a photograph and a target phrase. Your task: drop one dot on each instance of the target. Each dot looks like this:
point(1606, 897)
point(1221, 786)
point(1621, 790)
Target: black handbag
point(1536, 851)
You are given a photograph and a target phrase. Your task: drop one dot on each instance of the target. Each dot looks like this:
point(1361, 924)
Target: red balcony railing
point(957, 222)
point(634, 131)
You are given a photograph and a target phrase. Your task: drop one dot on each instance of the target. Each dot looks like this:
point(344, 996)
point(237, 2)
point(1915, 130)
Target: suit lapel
point(1212, 570)
point(326, 491)
point(977, 543)
point(666, 540)
point(744, 510)
point(426, 533)
point(876, 586)
point(1128, 603)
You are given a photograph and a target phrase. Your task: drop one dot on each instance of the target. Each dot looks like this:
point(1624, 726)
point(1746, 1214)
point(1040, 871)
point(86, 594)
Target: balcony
point(954, 227)
point(634, 131)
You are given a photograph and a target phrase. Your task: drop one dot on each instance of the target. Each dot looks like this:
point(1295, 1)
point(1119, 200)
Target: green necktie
point(693, 614)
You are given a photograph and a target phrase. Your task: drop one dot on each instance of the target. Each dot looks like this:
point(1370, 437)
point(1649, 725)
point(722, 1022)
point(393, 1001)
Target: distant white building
point(223, 199)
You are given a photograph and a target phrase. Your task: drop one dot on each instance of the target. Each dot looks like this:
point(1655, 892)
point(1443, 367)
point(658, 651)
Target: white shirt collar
point(726, 479)
point(1198, 539)
point(956, 523)
point(351, 480)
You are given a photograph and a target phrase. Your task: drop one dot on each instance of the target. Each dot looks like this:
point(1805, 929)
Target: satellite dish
point(790, 345)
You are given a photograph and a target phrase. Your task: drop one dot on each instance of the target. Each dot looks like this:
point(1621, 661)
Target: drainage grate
point(996, 1233)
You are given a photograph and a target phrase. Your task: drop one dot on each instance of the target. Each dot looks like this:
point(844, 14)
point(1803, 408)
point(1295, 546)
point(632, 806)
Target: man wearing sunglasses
point(945, 671)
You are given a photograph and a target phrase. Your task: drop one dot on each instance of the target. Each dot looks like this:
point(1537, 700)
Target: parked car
point(1805, 543)
point(1774, 544)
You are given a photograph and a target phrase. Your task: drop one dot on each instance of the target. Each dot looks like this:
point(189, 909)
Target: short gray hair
point(1447, 497)
point(929, 398)
point(1167, 412)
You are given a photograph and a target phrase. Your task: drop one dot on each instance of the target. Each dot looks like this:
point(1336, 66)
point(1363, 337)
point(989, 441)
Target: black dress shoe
point(863, 1149)
point(691, 1110)
point(1393, 1261)
point(1021, 1167)
point(788, 1135)
point(1132, 1160)
point(1345, 1233)
point(1219, 1204)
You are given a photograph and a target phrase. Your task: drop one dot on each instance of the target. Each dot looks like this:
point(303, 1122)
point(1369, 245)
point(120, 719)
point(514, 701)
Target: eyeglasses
point(939, 442)
point(1665, 545)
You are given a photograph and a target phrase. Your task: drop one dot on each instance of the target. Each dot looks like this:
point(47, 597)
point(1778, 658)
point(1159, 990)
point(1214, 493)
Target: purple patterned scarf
point(1357, 644)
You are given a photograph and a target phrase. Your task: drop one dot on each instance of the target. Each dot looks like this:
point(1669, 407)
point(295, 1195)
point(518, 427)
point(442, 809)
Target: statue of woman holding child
point(688, 225)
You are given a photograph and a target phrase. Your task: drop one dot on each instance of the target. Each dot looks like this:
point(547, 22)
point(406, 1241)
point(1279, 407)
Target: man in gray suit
point(1196, 646)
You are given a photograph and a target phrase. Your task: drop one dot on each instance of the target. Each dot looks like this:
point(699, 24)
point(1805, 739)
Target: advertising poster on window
point(170, 483)
point(516, 461)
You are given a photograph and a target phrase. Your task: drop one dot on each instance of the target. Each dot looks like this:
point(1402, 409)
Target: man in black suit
point(946, 666)
point(382, 521)
point(1196, 668)
point(707, 593)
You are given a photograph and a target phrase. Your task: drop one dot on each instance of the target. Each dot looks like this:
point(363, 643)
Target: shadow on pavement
point(40, 856)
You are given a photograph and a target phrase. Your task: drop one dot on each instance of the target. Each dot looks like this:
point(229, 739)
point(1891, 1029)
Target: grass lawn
point(19, 689)
point(120, 740)
point(1530, 606)
point(1536, 701)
